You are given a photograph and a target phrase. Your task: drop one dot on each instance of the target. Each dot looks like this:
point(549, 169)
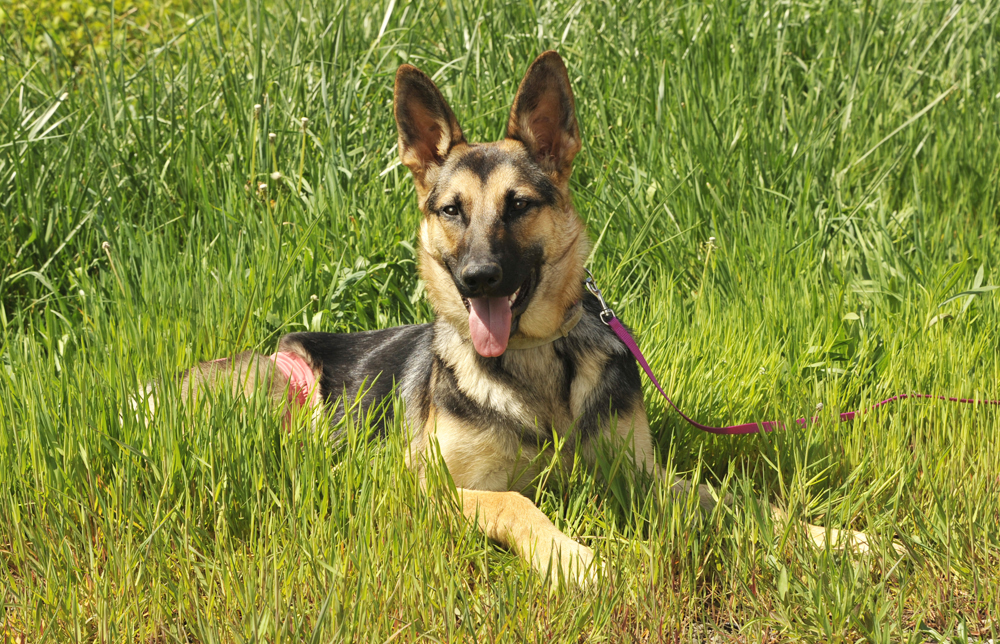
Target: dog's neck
point(570, 320)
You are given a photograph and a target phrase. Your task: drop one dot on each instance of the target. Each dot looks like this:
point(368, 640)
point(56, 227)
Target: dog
point(517, 355)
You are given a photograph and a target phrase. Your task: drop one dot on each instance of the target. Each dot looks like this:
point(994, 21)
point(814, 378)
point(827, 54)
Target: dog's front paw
point(846, 540)
point(565, 562)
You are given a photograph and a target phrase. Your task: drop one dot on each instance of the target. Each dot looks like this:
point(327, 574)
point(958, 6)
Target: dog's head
point(501, 248)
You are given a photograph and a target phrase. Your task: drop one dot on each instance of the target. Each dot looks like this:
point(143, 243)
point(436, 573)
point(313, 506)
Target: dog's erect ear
point(543, 116)
point(428, 129)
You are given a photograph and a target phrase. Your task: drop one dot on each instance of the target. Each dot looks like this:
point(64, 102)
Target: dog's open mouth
point(490, 318)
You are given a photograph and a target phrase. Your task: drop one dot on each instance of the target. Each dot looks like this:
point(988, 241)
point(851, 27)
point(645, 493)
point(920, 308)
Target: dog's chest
point(532, 393)
point(538, 389)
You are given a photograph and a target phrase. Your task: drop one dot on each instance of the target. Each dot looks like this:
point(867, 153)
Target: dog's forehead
point(496, 169)
point(485, 159)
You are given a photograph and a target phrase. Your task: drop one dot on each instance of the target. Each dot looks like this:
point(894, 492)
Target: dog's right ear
point(428, 129)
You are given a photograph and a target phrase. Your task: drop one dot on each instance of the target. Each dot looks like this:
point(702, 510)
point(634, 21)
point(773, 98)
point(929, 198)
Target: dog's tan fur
point(495, 419)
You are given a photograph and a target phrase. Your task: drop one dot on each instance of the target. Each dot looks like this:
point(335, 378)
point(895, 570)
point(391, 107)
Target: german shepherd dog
point(517, 354)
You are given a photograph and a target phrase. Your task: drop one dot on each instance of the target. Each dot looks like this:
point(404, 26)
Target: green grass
point(844, 156)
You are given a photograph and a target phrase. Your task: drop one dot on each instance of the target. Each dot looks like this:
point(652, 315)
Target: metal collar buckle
point(606, 313)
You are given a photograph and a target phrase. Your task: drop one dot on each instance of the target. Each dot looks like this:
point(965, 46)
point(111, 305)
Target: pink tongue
point(489, 325)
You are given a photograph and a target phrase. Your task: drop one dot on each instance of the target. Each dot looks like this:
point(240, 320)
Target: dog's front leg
point(836, 539)
point(635, 428)
point(485, 466)
point(515, 521)
point(821, 537)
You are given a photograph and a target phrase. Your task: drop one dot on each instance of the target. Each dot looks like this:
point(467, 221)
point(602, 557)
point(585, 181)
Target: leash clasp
point(606, 313)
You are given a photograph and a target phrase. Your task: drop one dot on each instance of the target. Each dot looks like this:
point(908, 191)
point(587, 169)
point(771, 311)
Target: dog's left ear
point(543, 117)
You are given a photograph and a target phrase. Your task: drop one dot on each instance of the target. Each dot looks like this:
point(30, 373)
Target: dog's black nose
point(477, 277)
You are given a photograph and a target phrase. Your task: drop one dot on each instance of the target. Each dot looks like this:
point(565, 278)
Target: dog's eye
point(450, 211)
point(518, 205)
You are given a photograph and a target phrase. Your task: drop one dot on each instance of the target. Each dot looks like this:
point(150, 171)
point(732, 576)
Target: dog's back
point(358, 371)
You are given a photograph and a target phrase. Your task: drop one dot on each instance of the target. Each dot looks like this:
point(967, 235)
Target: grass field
point(845, 157)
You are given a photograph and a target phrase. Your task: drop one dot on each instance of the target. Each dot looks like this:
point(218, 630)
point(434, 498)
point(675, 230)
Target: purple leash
point(609, 318)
